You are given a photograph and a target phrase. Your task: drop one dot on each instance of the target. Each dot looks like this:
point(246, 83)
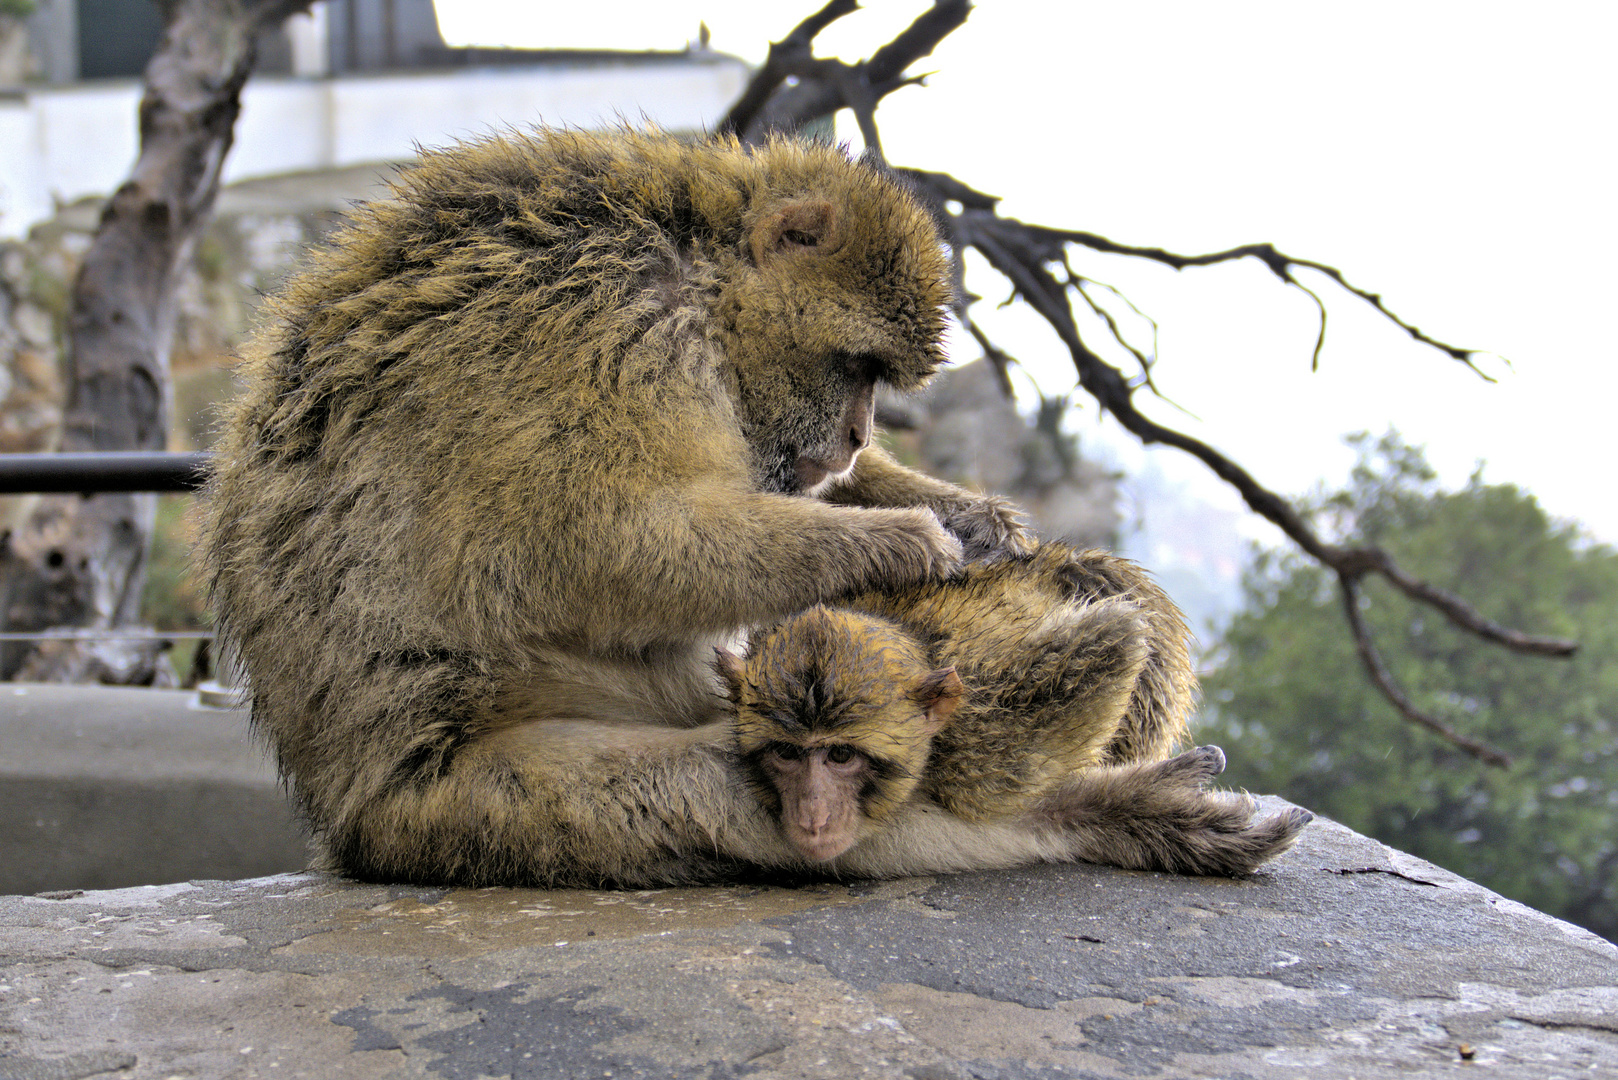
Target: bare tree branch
point(943, 186)
point(1002, 361)
point(1279, 263)
point(792, 56)
point(824, 86)
point(1384, 682)
point(81, 561)
point(919, 39)
point(1080, 285)
point(855, 89)
point(1024, 255)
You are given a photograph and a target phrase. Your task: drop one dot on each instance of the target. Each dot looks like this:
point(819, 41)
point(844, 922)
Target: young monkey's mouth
point(819, 849)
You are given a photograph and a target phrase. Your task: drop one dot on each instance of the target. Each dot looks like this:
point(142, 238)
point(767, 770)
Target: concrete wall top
point(60, 144)
point(1342, 960)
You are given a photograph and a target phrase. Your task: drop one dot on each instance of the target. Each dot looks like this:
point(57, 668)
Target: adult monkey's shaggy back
point(524, 444)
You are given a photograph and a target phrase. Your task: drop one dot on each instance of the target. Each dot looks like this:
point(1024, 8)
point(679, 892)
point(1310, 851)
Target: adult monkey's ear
point(797, 226)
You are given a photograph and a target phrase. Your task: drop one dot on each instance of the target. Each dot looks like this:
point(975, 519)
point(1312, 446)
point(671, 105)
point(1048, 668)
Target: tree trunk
point(81, 561)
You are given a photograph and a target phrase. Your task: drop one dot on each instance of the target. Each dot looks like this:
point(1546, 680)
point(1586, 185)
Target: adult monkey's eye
point(786, 751)
point(841, 755)
point(865, 367)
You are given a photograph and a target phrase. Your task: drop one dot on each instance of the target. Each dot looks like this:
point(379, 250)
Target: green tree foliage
point(1292, 705)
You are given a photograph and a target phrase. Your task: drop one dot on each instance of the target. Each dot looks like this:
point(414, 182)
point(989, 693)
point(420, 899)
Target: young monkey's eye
point(786, 751)
point(840, 755)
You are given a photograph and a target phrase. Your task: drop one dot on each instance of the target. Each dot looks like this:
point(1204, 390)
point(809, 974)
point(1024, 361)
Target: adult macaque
point(1039, 692)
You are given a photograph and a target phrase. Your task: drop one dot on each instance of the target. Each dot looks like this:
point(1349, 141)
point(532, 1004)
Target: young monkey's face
point(820, 791)
point(835, 715)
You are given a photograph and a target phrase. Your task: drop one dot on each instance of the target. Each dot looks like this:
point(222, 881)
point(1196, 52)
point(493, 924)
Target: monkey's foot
point(1159, 817)
point(1194, 768)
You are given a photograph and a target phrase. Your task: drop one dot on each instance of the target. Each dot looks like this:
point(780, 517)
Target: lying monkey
point(1044, 687)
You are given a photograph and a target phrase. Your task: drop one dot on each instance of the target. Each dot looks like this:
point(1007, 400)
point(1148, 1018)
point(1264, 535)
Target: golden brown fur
point(1072, 658)
point(522, 445)
point(796, 677)
point(1077, 683)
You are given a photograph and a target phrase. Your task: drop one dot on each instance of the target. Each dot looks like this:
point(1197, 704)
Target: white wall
point(22, 198)
point(59, 144)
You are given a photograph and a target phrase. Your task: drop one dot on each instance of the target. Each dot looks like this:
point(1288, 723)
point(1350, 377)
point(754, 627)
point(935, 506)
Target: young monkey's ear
point(729, 667)
point(798, 226)
point(939, 694)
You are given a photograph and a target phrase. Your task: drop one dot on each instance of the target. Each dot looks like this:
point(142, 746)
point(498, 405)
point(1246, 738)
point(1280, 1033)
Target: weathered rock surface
point(1344, 959)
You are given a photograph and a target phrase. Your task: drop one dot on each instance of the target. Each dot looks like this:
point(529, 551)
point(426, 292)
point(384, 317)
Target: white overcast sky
point(1457, 158)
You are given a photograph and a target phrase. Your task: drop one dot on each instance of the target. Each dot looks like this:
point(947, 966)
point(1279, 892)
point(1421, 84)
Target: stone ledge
point(1343, 959)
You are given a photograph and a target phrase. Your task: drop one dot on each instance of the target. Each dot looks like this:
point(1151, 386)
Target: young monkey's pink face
point(820, 789)
point(835, 716)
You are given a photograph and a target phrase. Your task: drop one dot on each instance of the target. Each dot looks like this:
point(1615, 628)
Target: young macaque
point(1038, 690)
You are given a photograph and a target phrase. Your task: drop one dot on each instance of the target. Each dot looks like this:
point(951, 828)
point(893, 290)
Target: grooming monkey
point(1059, 679)
point(522, 445)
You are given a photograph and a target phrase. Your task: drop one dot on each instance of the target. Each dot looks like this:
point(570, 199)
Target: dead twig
point(794, 87)
point(1378, 672)
point(1278, 263)
point(792, 56)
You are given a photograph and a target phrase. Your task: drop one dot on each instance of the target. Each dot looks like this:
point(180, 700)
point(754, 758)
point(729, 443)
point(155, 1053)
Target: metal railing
point(87, 473)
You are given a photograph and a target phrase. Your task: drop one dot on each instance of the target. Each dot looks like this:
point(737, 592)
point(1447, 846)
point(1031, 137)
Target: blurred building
point(73, 40)
point(349, 83)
